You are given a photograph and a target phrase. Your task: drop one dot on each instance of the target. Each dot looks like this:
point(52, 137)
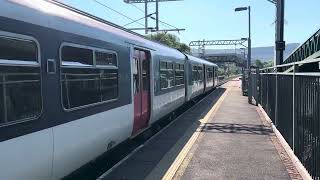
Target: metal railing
point(292, 101)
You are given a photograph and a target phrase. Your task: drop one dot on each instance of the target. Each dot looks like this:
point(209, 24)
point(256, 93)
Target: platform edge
point(296, 162)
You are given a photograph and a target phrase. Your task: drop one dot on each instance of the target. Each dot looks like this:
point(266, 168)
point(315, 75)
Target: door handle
point(51, 66)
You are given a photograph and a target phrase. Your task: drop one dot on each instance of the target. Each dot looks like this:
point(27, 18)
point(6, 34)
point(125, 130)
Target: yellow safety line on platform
point(183, 153)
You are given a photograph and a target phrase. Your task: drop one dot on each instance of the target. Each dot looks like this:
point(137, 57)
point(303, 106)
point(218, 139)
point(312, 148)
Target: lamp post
point(249, 51)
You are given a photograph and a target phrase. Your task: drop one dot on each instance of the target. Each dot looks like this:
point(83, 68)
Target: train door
point(141, 87)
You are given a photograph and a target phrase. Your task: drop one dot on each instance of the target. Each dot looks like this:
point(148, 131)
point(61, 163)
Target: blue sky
point(216, 19)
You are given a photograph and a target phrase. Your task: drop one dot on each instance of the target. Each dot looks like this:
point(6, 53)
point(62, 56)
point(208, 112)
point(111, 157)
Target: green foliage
point(220, 72)
point(233, 69)
point(261, 64)
point(268, 64)
point(228, 69)
point(170, 40)
point(184, 48)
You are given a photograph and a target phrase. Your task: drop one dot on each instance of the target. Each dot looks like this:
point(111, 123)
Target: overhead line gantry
point(147, 28)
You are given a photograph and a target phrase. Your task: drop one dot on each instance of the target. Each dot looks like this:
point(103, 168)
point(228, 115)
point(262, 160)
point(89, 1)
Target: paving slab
point(234, 145)
point(158, 154)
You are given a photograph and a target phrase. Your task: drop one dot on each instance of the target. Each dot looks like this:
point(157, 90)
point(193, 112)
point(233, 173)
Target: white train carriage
point(73, 86)
point(200, 76)
point(169, 83)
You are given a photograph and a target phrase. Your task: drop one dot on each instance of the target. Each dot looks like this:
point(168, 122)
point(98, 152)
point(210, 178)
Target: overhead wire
point(138, 19)
point(153, 17)
point(165, 23)
point(137, 7)
point(133, 20)
point(104, 5)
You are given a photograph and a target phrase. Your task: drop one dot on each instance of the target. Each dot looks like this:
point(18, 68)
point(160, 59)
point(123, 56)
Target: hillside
point(262, 53)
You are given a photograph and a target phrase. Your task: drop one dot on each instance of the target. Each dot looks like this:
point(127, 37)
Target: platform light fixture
point(241, 9)
point(249, 49)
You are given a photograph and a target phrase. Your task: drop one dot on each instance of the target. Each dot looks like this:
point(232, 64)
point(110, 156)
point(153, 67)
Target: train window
point(179, 74)
point(166, 75)
point(84, 83)
point(145, 77)
point(20, 81)
point(163, 65)
point(108, 85)
point(209, 73)
point(77, 56)
point(106, 59)
point(200, 73)
point(18, 50)
point(182, 67)
point(177, 66)
point(136, 79)
point(195, 74)
point(169, 65)
point(170, 75)
point(163, 75)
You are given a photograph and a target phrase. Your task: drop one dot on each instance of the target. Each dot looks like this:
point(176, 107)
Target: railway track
point(104, 164)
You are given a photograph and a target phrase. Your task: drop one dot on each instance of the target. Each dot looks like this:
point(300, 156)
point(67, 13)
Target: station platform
point(221, 137)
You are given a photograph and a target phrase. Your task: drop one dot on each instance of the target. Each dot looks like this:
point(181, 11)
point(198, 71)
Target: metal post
point(157, 15)
point(203, 47)
point(243, 80)
point(280, 43)
point(257, 87)
point(293, 108)
point(249, 59)
point(146, 16)
point(276, 102)
point(4, 98)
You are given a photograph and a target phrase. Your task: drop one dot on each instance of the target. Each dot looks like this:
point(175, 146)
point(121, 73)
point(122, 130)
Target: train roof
point(199, 60)
point(55, 15)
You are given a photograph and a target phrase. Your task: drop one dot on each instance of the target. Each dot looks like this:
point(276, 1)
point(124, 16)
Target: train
point(73, 86)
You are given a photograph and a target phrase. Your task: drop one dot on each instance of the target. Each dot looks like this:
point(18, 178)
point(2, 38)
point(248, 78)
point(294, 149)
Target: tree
point(170, 40)
point(184, 48)
point(221, 72)
point(268, 64)
point(259, 64)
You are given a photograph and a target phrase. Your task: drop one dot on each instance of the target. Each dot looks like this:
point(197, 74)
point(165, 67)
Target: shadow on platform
point(236, 128)
point(157, 155)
